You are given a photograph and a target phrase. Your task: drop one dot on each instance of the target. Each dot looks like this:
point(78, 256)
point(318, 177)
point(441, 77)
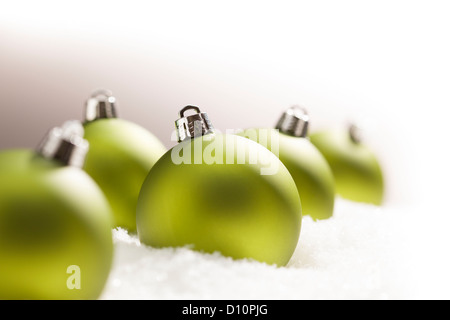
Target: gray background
point(382, 63)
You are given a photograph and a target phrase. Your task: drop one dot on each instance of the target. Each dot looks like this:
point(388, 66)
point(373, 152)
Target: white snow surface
point(359, 253)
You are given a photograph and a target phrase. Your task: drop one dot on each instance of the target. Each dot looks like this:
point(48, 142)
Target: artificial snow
point(359, 253)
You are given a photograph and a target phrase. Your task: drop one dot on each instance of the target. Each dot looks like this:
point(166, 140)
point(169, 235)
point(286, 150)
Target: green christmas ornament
point(120, 157)
point(220, 192)
point(356, 170)
point(55, 223)
point(309, 169)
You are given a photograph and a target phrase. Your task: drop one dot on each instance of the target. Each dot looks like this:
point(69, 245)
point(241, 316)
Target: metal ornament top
point(65, 144)
point(101, 105)
point(355, 133)
point(294, 122)
point(194, 125)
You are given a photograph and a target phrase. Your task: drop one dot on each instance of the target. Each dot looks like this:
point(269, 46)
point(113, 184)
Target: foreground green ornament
point(120, 157)
point(220, 192)
point(356, 170)
point(308, 167)
point(55, 223)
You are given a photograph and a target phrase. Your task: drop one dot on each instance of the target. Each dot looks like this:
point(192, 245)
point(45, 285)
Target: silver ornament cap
point(355, 133)
point(194, 125)
point(65, 144)
point(294, 122)
point(101, 105)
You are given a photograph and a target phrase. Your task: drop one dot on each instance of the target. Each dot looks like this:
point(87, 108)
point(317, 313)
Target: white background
point(383, 63)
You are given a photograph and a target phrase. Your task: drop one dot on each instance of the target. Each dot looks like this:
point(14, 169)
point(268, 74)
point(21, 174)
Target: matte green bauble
point(220, 192)
point(356, 170)
point(309, 169)
point(120, 157)
point(55, 228)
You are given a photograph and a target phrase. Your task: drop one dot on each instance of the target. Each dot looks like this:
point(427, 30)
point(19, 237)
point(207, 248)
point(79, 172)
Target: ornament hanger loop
point(101, 92)
point(189, 107)
point(101, 105)
point(298, 111)
point(194, 125)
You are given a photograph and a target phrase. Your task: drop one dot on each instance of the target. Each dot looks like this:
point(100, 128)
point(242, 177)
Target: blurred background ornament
point(355, 167)
point(308, 167)
point(120, 157)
